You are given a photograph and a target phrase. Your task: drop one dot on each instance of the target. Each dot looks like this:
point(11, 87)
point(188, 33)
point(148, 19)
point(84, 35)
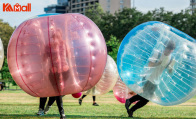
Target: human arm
point(153, 64)
point(155, 60)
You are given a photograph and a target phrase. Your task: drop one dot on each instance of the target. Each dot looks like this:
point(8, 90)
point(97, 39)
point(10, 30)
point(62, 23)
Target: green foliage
point(103, 20)
point(112, 47)
point(5, 33)
point(126, 20)
point(95, 13)
point(5, 71)
point(120, 23)
point(14, 83)
point(185, 22)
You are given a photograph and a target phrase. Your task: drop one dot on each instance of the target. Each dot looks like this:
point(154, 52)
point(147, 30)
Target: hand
point(132, 93)
point(153, 64)
point(158, 63)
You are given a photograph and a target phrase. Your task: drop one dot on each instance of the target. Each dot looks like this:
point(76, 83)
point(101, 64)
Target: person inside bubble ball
point(157, 64)
point(85, 94)
point(60, 70)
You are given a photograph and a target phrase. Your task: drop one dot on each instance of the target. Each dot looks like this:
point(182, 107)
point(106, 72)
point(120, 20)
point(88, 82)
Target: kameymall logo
point(16, 8)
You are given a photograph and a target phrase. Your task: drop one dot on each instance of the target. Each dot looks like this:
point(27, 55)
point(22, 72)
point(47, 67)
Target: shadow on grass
point(31, 105)
point(121, 117)
point(27, 116)
point(56, 116)
point(18, 105)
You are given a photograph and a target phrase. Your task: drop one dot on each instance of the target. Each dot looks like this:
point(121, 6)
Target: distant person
point(86, 93)
point(159, 62)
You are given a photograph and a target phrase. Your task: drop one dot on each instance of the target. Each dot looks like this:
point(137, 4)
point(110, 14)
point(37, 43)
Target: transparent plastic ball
point(57, 55)
point(108, 79)
point(158, 62)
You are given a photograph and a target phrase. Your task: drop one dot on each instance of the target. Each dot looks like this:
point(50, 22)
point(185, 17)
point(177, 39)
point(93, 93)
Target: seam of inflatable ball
point(17, 60)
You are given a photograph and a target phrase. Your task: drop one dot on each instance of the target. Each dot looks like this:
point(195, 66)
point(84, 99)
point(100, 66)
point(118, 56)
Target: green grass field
point(19, 105)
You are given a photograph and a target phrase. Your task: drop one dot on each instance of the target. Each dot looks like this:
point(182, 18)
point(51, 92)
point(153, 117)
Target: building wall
point(80, 6)
point(55, 9)
point(112, 6)
point(192, 6)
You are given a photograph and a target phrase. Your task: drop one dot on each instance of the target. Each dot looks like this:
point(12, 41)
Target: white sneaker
point(47, 109)
point(40, 112)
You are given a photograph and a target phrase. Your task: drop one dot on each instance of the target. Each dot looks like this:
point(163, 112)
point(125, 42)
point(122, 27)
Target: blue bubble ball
point(158, 62)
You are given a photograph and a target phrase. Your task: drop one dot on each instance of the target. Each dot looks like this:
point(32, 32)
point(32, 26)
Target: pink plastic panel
point(122, 92)
point(108, 78)
point(57, 55)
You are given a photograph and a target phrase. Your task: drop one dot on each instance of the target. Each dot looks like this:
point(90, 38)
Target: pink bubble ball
point(122, 92)
point(57, 55)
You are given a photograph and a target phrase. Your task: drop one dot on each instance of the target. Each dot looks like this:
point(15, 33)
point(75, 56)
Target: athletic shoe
point(63, 116)
point(80, 102)
point(47, 109)
point(40, 112)
point(95, 104)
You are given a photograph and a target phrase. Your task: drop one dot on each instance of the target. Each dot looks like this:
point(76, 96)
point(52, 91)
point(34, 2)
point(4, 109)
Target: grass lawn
point(19, 105)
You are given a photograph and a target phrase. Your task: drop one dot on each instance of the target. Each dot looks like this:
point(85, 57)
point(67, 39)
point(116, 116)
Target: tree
point(5, 70)
point(103, 20)
point(192, 23)
point(113, 46)
point(162, 15)
point(5, 33)
point(124, 21)
point(95, 13)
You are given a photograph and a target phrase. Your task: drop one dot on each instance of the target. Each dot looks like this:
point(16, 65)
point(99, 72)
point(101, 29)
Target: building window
point(78, 5)
point(108, 6)
point(121, 1)
point(78, 0)
point(121, 4)
point(121, 7)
